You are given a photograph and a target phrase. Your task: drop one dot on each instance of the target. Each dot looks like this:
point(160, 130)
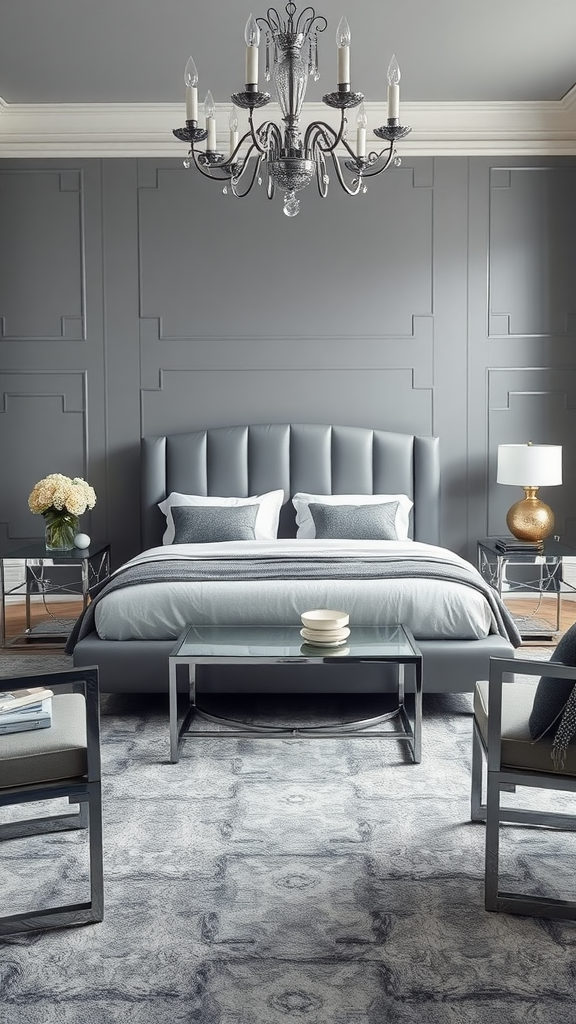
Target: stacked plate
point(323, 627)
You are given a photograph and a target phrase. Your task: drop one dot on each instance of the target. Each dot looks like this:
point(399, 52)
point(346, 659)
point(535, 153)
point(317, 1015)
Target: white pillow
point(305, 522)
point(266, 526)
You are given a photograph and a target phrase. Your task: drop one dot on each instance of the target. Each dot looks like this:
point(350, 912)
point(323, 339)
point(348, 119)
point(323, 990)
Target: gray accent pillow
point(209, 524)
point(355, 522)
point(552, 693)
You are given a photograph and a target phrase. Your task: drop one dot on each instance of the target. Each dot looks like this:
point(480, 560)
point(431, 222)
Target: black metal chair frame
point(86, 791)
point(501, 778)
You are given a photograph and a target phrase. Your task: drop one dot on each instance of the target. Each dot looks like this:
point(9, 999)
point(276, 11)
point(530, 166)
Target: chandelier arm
point(321, 176)
point(367, 173)
point(232, 157)
point(266, 129)
point(350, 190)
point(226, 176)
point(241, 195)
point(269, 129)
point(325, 129)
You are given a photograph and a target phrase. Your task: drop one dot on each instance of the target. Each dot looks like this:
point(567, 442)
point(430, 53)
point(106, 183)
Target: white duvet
point(432, 609)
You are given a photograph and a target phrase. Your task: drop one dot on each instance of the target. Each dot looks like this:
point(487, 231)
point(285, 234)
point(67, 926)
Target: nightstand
point(44, 575)
point(529, 573)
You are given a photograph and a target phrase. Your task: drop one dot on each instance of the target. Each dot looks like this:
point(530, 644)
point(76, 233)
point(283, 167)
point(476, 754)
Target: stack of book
point(505, 544)
point(21, 710)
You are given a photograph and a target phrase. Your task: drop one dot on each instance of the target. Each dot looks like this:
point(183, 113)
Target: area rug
point(288, 881)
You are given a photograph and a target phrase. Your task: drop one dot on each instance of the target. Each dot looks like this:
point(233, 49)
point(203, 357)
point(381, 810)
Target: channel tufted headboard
point(319, 458)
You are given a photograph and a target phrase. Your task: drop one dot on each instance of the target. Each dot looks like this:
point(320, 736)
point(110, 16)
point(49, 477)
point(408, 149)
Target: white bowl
point(325, 618)
point(323, 635)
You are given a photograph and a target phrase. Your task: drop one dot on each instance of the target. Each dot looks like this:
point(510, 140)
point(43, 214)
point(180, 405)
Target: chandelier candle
point(233, 126)
point(393, 89)
point(191, 79)
point(210, 115)
point(343, 44)
point(252, 37)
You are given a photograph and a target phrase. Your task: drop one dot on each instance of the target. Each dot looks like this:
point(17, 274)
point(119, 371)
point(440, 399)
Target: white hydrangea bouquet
point(61, 500)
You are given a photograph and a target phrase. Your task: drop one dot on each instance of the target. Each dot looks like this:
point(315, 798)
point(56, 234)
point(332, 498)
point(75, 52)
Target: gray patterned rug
point(287, 882)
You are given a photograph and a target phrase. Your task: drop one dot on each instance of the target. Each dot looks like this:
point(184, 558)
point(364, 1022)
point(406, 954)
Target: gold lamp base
point(530, 519)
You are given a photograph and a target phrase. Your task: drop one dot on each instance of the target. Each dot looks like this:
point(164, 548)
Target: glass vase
point(60, 528)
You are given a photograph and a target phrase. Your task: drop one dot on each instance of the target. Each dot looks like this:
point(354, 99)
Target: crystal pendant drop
point(186, 162)
point(291, 204)
point(225, 191)
point(397, 161)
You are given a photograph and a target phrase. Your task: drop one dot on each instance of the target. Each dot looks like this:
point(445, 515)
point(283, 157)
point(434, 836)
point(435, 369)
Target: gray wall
point(137, 299)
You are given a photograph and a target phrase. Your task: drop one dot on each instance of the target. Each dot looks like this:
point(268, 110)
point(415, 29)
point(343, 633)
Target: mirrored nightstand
point(48, 578)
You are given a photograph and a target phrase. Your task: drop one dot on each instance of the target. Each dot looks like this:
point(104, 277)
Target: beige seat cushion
point(47, 755)
point(519, 750)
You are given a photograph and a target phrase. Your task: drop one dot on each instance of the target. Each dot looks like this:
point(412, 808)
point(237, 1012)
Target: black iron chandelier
point(287, 159)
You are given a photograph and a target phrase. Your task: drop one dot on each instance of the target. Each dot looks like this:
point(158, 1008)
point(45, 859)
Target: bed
point(291, 517)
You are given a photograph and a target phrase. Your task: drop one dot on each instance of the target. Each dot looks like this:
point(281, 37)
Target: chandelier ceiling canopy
point(285, 155)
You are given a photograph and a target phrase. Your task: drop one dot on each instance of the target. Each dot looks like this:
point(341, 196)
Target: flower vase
point(60, 530)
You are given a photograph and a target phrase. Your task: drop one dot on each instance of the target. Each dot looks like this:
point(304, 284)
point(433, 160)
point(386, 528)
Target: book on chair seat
point(12, 699)
point(31, 716)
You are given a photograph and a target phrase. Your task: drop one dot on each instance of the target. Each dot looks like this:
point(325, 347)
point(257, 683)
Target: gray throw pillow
point(552, 693)
point(209, 524)
point(355, 522)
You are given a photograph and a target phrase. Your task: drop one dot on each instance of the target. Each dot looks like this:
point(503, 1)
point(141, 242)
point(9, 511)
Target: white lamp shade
point(529, 465)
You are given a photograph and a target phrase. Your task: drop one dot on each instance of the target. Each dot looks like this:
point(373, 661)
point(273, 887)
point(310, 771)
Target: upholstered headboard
point(319, 458)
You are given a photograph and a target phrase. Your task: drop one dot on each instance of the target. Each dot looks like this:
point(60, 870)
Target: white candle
point(210, 115)
point(191, 80)
point(343, 44)
point(394, 101)
point(251, 65)
point(252, 39)
point(191, 103)
point(394, 88)
point(233, 126)
point(211, 129)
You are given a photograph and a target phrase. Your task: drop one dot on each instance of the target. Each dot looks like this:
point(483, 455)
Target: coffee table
point(274, 645)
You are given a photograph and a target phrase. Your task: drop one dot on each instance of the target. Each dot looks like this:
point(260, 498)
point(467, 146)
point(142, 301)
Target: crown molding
point(69, 130)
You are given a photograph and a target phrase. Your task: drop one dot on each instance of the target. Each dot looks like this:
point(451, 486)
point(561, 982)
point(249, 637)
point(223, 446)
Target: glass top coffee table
point(282, 645)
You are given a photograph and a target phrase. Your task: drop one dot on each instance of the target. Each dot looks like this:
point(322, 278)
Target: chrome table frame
point(411, 733)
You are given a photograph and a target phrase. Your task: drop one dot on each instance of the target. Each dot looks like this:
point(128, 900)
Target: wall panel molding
point(42, 259)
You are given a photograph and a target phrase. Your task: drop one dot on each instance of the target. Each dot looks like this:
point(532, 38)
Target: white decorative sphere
point(82, 540)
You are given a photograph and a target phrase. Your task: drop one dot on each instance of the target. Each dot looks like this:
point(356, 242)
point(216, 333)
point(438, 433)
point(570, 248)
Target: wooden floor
point(545, 609)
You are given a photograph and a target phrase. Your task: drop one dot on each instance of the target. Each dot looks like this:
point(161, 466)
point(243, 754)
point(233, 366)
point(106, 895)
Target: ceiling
point(106, 77)
point(134, 51)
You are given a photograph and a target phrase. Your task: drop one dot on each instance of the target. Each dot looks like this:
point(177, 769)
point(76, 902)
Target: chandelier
point(287, 158)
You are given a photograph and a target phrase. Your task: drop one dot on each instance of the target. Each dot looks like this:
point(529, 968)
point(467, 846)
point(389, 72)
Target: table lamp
point(530, 466)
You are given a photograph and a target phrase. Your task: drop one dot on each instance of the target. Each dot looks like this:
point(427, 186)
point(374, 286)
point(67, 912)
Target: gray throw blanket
point(333, 567)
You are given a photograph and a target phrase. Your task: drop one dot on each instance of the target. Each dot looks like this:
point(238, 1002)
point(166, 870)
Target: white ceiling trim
point(140, 129)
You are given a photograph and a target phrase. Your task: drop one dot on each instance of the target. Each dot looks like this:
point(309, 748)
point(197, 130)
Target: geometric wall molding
point(50, 408)
point(532, 259)
point(42, 259)
point(193, 282)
